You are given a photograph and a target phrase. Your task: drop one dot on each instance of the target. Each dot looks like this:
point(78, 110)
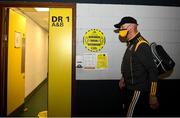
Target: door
point(60, 90)
point(15, 79)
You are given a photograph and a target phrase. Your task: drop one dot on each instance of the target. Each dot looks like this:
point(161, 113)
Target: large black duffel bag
point(162, 60)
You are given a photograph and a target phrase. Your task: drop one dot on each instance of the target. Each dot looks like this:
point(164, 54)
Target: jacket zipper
point(131, 69)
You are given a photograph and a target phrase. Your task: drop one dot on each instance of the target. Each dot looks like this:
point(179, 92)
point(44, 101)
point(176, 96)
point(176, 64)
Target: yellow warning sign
point(94, 40)
point(102, 61)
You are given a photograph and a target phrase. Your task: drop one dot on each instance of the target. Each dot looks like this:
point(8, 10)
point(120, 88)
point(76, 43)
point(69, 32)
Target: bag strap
point(139, 43)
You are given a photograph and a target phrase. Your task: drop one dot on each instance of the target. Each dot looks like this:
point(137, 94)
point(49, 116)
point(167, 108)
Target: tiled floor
point(36, 103)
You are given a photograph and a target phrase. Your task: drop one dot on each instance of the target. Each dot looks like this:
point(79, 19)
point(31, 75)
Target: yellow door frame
point(3, 51)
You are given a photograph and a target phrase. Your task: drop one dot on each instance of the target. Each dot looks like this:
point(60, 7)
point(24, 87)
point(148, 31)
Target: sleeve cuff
point(153, 89)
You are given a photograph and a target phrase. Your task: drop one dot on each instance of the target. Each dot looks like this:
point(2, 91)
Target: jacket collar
point(132, 41)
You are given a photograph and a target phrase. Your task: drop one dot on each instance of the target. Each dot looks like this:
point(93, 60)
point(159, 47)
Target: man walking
point(139, 73)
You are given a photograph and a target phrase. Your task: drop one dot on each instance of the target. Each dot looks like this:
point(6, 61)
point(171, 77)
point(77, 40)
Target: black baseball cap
point(126, 19)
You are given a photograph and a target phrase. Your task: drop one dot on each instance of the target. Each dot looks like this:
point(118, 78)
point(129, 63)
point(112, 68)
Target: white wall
point(159, 24)
point(36, 59)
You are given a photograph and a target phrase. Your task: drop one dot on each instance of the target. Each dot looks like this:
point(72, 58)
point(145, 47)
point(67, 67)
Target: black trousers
point(136, 103)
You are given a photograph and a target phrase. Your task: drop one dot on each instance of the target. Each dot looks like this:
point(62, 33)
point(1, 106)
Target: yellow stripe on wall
point(60, 62)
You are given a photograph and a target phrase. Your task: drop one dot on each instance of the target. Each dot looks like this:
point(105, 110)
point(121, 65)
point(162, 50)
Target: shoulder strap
point(139, 43)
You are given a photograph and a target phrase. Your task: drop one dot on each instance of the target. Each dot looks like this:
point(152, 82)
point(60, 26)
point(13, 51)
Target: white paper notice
point(79, 61)
point(89, 61)
point(17, 39)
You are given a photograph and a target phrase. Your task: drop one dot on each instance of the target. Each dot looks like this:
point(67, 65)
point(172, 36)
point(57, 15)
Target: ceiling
point(40, 18)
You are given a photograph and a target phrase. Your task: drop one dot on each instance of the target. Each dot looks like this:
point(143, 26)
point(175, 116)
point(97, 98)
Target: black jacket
point(138, 67)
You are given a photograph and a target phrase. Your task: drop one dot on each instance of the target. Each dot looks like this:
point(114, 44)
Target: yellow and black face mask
point(123, 33)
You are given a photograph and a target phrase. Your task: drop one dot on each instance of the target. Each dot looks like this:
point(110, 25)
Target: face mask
point(123, 33)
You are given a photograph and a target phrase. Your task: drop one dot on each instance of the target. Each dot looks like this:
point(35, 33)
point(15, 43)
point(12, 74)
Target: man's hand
point(153, 102)
point(121, 83)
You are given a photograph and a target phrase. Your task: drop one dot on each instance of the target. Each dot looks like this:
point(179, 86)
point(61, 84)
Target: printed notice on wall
point(92, 61)
point(17, 39)
point(94, 40)
point(102, 61)
point(89, 61)
point(79, 61)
